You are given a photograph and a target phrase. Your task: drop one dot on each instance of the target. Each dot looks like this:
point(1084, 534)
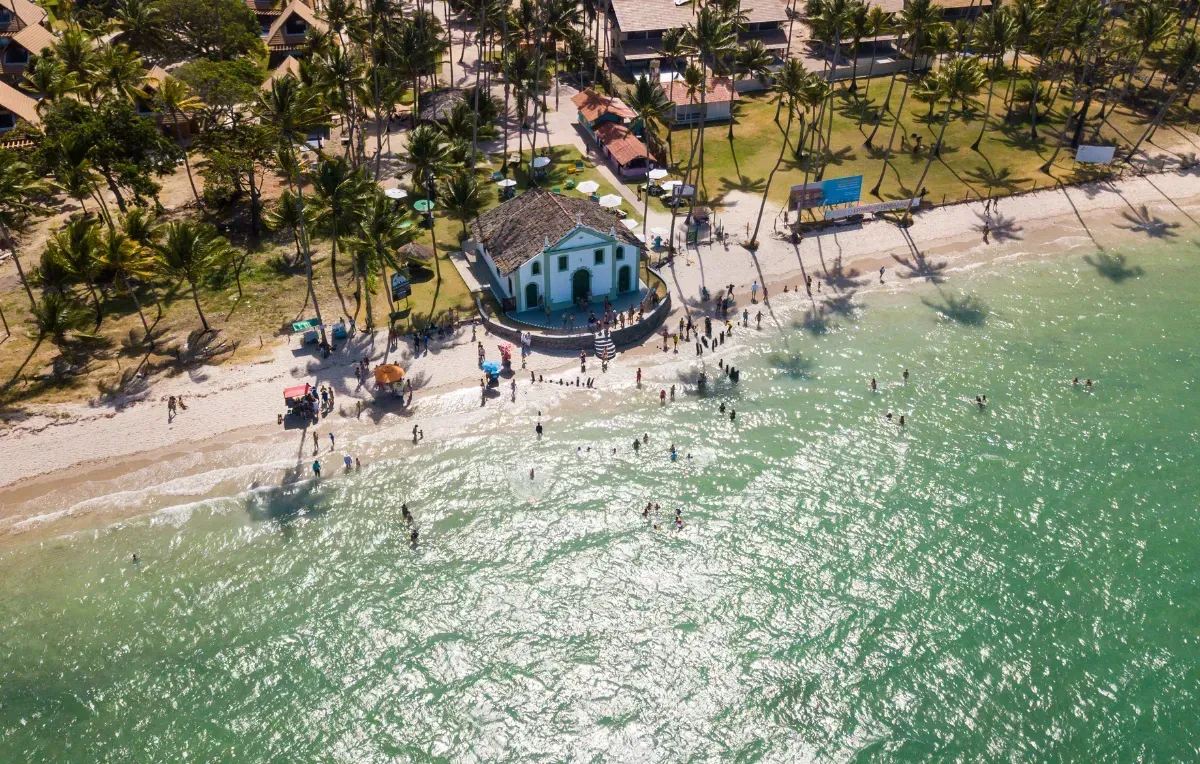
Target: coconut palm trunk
point(12, 244)
point(783, 144)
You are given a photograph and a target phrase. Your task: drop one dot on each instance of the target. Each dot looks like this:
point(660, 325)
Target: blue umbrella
point(491, 367)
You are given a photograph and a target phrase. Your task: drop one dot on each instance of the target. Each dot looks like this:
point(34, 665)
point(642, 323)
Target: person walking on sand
point(314, 441)
point(881, 274)
point(171, 405)
point(317, 468)
point(639, 376)
point(758, 320)
point(754, 292)
point(331, 441)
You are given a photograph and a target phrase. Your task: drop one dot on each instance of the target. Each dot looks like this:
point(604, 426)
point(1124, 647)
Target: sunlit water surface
point(1013, 584)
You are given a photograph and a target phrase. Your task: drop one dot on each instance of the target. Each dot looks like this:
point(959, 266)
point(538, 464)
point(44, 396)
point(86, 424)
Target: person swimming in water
point(637, 445)
point(901, 420)
point(674, 454)
point(906, 376)
point(874, 386)
point(732, 414)
point(722, 407)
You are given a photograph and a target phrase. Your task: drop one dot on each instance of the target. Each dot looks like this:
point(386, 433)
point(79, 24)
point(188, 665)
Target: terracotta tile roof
point(593, 105)
point(275, 35)
point(957, 4)
point(888, 6)
point(518, 229)
point(289, 67)
point(19, 104)
point(646, 15)
point(719, 90)
point(35, 39)
point(27, 13)
point(154, 78)
point(621, 143)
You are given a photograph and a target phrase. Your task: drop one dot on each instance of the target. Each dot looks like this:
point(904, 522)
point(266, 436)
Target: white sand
point(72, 452)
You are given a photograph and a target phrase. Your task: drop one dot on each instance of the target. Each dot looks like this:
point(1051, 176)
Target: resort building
point(289, 30)
point(21, 36)
point(546, 251)
point(720, 94)
point(614, 127)
point(178, 126)
point(636, 28)
point(15, 108)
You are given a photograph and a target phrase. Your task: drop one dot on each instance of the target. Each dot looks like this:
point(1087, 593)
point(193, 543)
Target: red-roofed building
point(624, 149)
point(719, 97)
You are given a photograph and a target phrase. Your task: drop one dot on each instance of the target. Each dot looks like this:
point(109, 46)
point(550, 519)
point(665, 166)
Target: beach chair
point(578, 165)
point(572, 170)
point(594, 197)
point(570, 184)
point(497, 176)
point(557, 190)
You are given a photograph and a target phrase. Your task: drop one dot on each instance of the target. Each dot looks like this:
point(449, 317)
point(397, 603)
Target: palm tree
point(711, 37)
point(427, 154)
point(959, 79)
point(294, 110)
point(789, 86)
point(127, 258)
point(191, 251)
point(652, 106)
point(340, 193)
point(996, 32)
point(858, 26)
point(918, 19)
point(140, 24)
point(1027, 16)
point(115, 69)
point(460, 195)
point(877, 23)
point(752, 60)
point(21, 190)
point(380, 236)
point(76, 247)
point(175, 98)
point(55, 316)
point(48, 79)
point(286, 215)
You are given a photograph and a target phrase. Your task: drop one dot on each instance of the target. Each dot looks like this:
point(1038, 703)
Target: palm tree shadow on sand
point(1142, 220)
point(1114, 267)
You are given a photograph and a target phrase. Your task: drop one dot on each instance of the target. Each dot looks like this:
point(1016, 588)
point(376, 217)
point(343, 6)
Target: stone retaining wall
point(539, 338)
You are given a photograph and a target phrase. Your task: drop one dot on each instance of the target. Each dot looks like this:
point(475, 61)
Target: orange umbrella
point(388, 373)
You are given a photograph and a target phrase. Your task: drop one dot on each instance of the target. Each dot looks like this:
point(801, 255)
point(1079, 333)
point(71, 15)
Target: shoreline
point(47, 488)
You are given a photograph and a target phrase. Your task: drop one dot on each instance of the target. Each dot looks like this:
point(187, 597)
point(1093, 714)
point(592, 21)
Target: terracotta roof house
point(614, 128)
point(719, 96)
point(289, 30)
point(21, 36)
point(289, 67)
point(547, 251)
point(178, 126)
point(16, 107)
point(637, 26)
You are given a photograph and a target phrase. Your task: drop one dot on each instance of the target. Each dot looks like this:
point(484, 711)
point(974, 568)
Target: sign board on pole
point(826, 193)
point(1095, 154)
point(401, 287)
point(869, 209)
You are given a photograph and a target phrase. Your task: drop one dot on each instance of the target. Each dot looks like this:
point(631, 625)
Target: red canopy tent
point(298, 391)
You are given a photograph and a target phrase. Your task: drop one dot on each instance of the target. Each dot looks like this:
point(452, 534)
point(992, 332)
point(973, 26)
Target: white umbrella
point(658, 174)
point(395, 193)
point(659, 231)
point(670, 184)
point(610, 200)
point(588, 187)
point(629, 223)
point(506, 183)
point(541, 162)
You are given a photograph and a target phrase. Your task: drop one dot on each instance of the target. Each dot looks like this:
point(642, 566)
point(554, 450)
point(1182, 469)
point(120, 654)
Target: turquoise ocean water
point(1013, 584)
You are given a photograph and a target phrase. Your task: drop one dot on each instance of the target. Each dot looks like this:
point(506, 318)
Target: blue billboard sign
point(827, 193)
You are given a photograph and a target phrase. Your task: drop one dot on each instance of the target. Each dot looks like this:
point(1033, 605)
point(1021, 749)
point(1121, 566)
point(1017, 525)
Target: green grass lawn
point(1008, 159)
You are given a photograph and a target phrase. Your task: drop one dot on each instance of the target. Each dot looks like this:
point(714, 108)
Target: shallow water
point(1017, 583)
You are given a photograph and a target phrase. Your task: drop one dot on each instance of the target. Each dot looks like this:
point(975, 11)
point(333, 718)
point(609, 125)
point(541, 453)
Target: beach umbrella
point(541, 162)
point(388, 373)
point(610, 200)
point(490, 367)
point(668, 185)
point(658, 174)
point(659, 231)
point(629, 223)
point(506, 183)
point(423, 205)
point(588, 187)
point(395, 193)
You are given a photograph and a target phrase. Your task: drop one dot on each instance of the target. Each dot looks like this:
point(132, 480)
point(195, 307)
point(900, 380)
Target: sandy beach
point(74, 467)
